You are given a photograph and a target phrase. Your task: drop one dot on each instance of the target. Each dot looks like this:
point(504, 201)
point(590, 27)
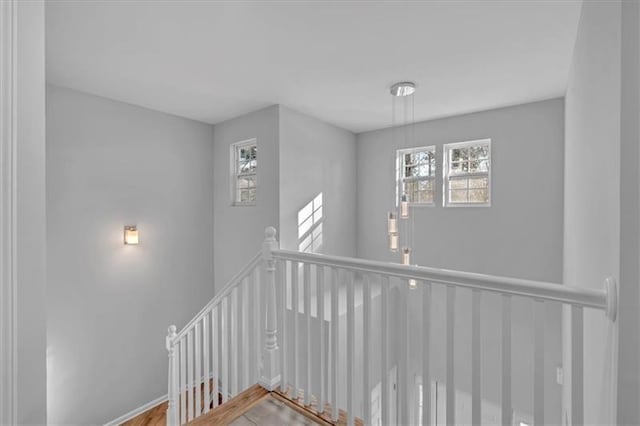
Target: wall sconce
point(131, 235)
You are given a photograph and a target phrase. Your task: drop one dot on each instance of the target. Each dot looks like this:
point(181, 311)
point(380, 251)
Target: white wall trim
point(136, 411)
point(8, 216)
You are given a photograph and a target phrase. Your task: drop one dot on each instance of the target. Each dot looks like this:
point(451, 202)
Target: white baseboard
point(133, 413)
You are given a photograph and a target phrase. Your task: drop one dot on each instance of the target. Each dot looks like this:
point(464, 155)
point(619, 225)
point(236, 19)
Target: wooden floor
point(254, 406)
point(157, 416)
point(233, 408)
point(313, 409)
point(273, 411)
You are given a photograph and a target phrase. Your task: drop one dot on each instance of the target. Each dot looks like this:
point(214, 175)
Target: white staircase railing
point(311, 324)
point(215, 356)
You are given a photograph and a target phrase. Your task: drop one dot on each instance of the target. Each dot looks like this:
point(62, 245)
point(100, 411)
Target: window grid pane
point(468, 169)
point(245, 173)
point(417, 169)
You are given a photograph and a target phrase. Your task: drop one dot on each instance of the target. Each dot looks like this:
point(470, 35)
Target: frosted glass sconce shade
point(392, 223)
point(413, 284)
point(404, 207)
point(406, 256)
point(393, 242)
point(131, 235)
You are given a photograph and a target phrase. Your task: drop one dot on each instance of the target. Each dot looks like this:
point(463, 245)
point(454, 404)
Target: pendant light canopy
point(404, 88)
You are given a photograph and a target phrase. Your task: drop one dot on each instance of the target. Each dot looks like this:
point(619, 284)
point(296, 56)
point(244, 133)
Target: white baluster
point(384, 330)
point(257, 321)
point(270, 376)
point(215, 354)
point(426, 354)
point(240, 356)
point(225, 337)
point(251, 330)
point(206, 346)
point(335, 368)
point(323, 339)
point(190, 374)
point(198, 372)
point(295, 310)
point(183, 381)
point(507, 411)
point(307, 350)
point(577, 365)
point(172, 409)
point(451, 386)
point(476, 338)
point(233, 352)
point(366, 337)
point(538, 362)
point(403, 380)
point(284, 340)
point(247, 379)
point(350, 347)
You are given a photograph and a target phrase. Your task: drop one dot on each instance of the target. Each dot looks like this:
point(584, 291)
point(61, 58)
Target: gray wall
point(31, 219)
point(601, 227)
point(317, 157)
point(629, 353)
point(111, 164)
point(527, 190)
point(239, 230)
point(520, 235)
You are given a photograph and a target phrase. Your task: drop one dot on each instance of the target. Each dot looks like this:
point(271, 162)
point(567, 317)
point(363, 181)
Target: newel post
point(269, 376)
point(172, 411)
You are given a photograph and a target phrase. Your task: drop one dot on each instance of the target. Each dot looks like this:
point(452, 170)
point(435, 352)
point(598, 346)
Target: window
point(467, 173)
point(416, 172)
point(244, 167)
point(310, 226)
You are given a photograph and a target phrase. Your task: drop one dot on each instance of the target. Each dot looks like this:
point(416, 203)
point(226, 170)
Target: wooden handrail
point(598, 299)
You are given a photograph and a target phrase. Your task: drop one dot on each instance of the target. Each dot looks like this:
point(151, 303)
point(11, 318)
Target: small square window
point(467, 173)
point(415, 174)
point(244, 163)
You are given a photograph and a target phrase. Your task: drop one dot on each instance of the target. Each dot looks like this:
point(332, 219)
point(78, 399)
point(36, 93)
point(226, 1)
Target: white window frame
point(236, 174)
point(446, 178)
point(400, 171)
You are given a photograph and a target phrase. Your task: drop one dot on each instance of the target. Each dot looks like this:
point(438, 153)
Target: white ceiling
point(211, 61)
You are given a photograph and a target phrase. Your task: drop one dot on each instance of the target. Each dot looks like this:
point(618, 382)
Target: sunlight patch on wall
point(310, 226)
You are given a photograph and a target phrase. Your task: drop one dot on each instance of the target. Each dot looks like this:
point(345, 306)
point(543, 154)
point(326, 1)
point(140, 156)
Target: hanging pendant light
point(406, 256)
point(392, 223)
point(394, 240)
point(404, 207)
point(401, 206)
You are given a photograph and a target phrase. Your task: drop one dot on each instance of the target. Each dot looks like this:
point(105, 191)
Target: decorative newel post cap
point(270, 233)
point(172, 330)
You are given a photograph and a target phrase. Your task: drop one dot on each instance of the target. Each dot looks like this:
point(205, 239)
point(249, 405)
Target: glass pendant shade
point(393, 242)
point(404, 207)
point(406, 256)
point(392, 223)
